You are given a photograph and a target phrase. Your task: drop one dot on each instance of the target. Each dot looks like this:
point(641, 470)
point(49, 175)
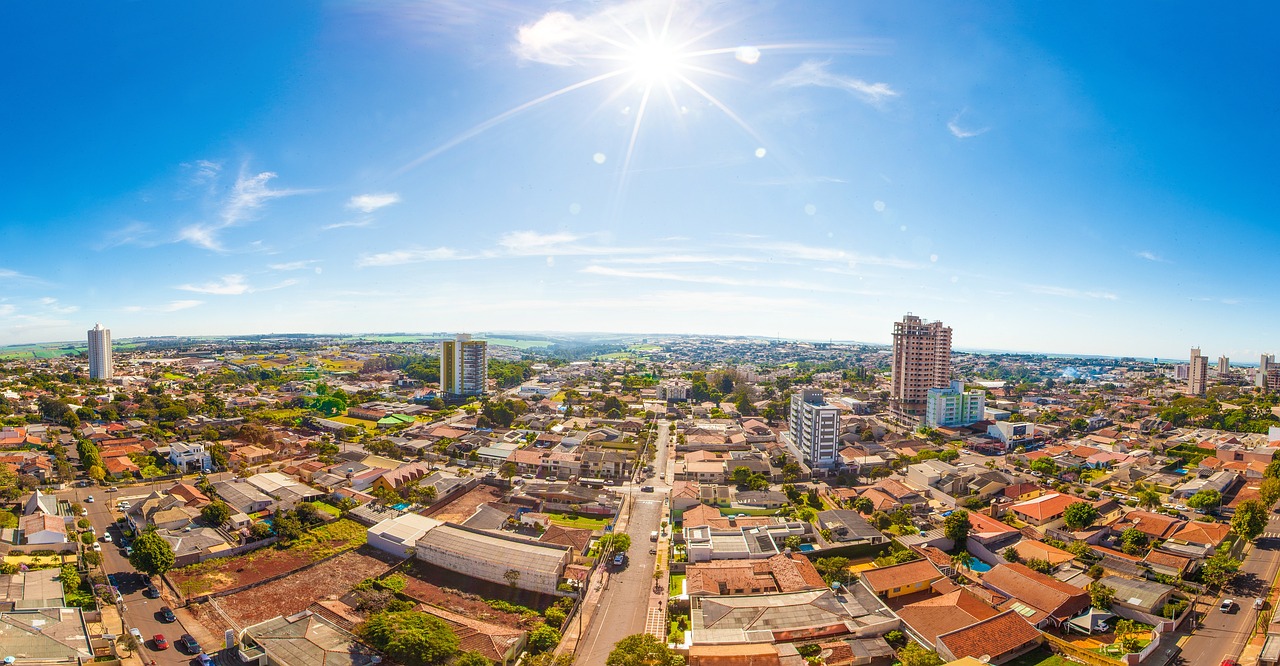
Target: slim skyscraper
point(100, 352)
point(921, 361)
point(1224, 365)
point(814, 427)
point(464, 366)
point(1198, 375)
point(1264, 368)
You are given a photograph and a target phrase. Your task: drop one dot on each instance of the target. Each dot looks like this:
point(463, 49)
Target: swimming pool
point(806, 547)
point(401, 506)
point(978, 565)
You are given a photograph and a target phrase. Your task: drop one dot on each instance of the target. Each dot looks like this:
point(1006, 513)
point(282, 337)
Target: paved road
point(1224, 634)
point(624, 605)
point(139, 611)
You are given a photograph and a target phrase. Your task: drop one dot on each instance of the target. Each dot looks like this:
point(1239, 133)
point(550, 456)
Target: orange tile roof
point(1030, 549)
point(1046, 593)
point(933, 617)
point(1154, 525)
point(994, 637)
point(1045, 507)
point(901, 575)
point(1210, 534)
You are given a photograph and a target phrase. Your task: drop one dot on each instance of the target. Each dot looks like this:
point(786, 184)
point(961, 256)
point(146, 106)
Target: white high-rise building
point(464, 366)
point(1198, 377)
point(100, 352)
point(1224, 365)
point(954, 406)
point(814, 428)
point(1264, 368)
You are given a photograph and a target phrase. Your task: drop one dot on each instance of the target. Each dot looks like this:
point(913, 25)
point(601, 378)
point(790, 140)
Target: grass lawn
point(633, 446)
point(281, 414)
point(733, 511)
point(176, 377)
point(1040, 657)
point(675, 586)
point(574, 520)
point(330, 539)
point(359, 423)
point(328, 508)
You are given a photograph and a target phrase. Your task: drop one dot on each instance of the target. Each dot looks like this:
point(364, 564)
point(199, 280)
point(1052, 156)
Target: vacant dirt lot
point(232, 572)
point(461, 509)
point(428, 583)
point(295, 592)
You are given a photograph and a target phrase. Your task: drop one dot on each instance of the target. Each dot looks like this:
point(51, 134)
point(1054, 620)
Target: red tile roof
point(901, 575)
point(1003, 634)
point(933, 617)
point(1045, 593)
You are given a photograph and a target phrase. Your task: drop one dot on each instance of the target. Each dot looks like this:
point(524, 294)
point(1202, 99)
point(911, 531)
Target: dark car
point(152, 591)
point(166, 615)
point(161, 643)
point(646, 489)
point(188, 643)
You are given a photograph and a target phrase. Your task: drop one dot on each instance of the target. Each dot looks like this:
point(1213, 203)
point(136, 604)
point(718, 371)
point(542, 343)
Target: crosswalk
point(656, 623)
point(1269, 535)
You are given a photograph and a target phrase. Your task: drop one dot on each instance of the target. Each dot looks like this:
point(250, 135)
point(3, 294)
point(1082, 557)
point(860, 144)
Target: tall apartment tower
point(1264, 368)
point(464, 366)
point(814, 428)
point(1224, 365)
point(100, 352)
point(1198, 375)
point(921, 361)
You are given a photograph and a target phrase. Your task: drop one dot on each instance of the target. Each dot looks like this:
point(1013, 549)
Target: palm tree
point(960, 560)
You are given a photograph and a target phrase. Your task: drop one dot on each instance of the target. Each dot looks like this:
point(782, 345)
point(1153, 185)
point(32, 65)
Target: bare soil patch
point(463, 507)
point(293, 593)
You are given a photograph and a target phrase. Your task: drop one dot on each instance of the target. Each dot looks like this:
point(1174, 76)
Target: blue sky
point(1059, 177)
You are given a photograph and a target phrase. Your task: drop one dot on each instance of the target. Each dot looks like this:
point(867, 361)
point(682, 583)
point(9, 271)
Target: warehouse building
point(538, 567)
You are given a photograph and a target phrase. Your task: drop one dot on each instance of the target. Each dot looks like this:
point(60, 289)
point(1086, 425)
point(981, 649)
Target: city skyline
point(1042, 178)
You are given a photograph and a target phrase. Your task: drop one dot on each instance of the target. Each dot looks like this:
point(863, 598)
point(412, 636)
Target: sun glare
point(654, 62)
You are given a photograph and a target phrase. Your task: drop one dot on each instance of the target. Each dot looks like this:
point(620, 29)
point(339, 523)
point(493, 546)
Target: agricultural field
point(231, 572)
point(295, 592)
point(518, 343)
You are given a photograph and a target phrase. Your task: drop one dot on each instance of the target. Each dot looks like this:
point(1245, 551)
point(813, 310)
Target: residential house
point(1043, 509)
point(849, 527)
point(243, 497)
point(782, 573)
point(189, 455)
point(304, 639)
point(1042, 600)
point(901, 579)
point(399, 479)
point(43, 528)
point(189, 494)
point(932, 617)
point(994, 640)
point(1157, 526)
point(782, 618)
point(1140, 596)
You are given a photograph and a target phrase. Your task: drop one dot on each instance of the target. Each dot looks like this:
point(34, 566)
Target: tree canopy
point(1080, 515)
point(643, 650)
point(1250, 519)
point(151, 555)
point(411, 638)
point(956, 527)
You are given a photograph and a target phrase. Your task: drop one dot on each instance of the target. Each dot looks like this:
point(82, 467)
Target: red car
point(161, 643)
point(1230, 662)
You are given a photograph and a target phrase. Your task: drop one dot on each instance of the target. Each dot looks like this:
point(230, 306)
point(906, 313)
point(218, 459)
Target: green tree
point(643, 650)
point(507, 470)
point(151, 554)
point(1037, 564)
point(1101, 596)
point(472, 659)
point(543, 639)
point(834, 569)
point(411, 638)
point(216, 513)
point(912, 654)
point(956, 527)
point(1150, 499)
point(1273, 469)
point(1132, 541)
point(1219, 569)
point(547, 659)
point(259, 531)
point(1208, 500)
point(1011, 555)
point(741, 475)
point(1269, 490)
point(863, 505)
point(1250, 519)
point(70, 579)
point(793, 542)
point(619, 542)
point(1045, 466)
point(1080, 515)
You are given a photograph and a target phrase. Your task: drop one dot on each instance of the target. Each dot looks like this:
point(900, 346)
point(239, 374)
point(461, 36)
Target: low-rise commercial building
point(522, 563)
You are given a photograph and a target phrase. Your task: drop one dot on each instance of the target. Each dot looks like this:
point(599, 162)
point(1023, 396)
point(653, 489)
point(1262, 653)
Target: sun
point(653, 62)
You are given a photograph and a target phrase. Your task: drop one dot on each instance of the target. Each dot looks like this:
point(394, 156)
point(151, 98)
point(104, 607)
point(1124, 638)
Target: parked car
point(1258, 604)
point(646, 489)
point(137, 635)
point(619, 559)
point(204, 660)
point(152, 591)
point(97, 547)
point(106, 538)
point(166, 614)
point(160, 642)
point(89, 499)
point(1226, 605)
point(188, 643)
point(113, 489)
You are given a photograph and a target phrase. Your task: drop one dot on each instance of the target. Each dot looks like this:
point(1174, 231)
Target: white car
point(89, 499)
point(1181, 507)
point(106, 538)
point(1227, 605)
point(97, 547)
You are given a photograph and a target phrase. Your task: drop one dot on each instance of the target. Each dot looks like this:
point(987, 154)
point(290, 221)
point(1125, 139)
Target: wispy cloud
point(410, 256)
point(7, 309)
point(815, 73)
point(960, 132)
point(349, 224)
point(9, 274)
point(171, 306)
point(367, 203)
point(535, 243)
point(1151, 256)
point(1068, 292)
point(694, 278)
point(232, 285)
point(249, 194)
point(801, 252)
point(51, 304)
point(293, 265)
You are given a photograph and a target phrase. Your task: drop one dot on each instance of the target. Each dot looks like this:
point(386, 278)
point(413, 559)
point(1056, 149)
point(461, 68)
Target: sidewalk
point(596, 586)
point(111, 624)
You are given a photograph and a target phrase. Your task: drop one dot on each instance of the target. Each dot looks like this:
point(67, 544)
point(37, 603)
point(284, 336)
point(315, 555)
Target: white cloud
point(367, 203)
point(814, 73)
point(962, 133)
point(293, 265)
point(1151, 256)
point(555, 39)
point(8, 274)
point(232, 285)
point(353, 224)
point(1068, 292)
point(247, 197)
point(410, 256)
point(534, 243)
point(800, 252)
point(7, 309)
point(52, 305)
point(685, 276)
point(171, 306)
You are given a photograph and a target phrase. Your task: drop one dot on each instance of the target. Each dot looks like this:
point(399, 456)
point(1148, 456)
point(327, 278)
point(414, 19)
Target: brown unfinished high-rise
point(921, 361)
